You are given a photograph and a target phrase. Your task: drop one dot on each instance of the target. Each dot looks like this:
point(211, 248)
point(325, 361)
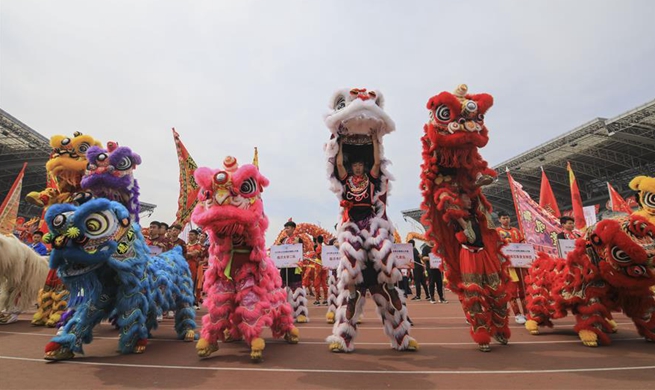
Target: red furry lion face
point(457, 120)
point(229, 200)
point(624, 251)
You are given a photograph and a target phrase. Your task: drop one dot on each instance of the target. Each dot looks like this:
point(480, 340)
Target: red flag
point(547, 197)
point(617, 203)
point(576, 200)
point(9, 207)
point(188, 187)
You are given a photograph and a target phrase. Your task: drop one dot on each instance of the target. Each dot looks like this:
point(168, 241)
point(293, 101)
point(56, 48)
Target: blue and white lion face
point(84, 238)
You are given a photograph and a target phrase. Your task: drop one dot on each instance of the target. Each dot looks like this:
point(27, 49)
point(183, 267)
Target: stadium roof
point(602, 150)
point(19, 144)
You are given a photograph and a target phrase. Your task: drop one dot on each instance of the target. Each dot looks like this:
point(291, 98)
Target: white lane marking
point(274, 341)
point(311, 370)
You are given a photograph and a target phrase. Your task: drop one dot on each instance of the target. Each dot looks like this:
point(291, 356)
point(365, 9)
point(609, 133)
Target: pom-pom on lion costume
point(244, 289)
point(611, 269)
point(359, 177)
point(458, 215)
point(22, 273)
point(645, 186)
point(98, 251)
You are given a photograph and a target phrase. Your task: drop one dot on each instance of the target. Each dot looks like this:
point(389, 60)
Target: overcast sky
point(231, 75)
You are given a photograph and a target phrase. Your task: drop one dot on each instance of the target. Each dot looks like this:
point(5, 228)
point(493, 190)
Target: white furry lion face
point(358, 111)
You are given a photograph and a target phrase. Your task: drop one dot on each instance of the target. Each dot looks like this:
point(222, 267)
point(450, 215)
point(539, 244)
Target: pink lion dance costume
point(244, 289)
point(458, 215)
point(359, 177)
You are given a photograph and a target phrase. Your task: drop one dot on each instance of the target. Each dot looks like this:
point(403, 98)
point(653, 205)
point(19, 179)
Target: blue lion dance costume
point(103, 259)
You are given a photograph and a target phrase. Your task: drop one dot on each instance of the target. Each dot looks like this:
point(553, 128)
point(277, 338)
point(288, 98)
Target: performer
point(516, 288)
point(320, 274)
point(451, 176)
point(485, 304)
point(360, 179)
point(292, 278)
point(37, 245)
point(195, 252)
point(567, 233)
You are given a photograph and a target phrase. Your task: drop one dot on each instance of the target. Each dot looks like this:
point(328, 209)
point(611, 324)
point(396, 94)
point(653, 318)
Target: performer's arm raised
point(341, 170)
point(375, 170)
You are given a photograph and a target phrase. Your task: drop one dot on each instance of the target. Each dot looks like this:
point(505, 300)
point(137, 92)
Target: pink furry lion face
point(229, 200)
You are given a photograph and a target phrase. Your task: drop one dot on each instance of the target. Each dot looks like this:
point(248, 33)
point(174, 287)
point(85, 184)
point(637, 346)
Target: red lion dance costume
point(611, 269)
point(244, 289)
point(465, 237)
point(358, 123)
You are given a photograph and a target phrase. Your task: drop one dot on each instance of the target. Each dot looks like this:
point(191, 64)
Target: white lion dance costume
point(22, 274)
point(358, 175)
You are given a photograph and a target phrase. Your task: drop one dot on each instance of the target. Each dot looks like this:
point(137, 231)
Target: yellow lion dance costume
point(65, 168)
point(645, 186)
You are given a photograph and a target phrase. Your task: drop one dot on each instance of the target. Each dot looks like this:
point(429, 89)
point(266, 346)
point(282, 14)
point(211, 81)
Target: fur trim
point(22, 274)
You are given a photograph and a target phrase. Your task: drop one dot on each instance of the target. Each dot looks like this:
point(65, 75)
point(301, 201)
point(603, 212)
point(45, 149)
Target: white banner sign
point(286, 256)
point(520, 255)
point(330, 256)
point(403, 255)
point(589, 215)
point(435, 261)
point(564, 247)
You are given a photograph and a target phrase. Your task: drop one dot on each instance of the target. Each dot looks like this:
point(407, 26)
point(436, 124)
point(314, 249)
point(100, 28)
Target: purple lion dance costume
point(109, 175)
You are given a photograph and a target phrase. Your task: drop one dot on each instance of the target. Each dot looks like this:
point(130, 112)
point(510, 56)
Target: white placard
point(155, 250)
point(589, 215)
point(403, 255)
point(330, 256)
point(564, 247)
point(520, 255)
point(435, 261)
point(286, 256)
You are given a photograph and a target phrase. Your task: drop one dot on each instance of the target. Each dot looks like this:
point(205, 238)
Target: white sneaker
point(170, 314)
point(160, 318)
point(520, 319)
point(196, 307)
point(9, 318)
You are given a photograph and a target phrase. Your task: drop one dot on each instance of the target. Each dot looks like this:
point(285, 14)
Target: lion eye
point(442, 113)
point(83, 147)
point(619, 255)
point(59, 220)
point(340, 103)
point(124, 164)
point(97, 224)
point(248, 187)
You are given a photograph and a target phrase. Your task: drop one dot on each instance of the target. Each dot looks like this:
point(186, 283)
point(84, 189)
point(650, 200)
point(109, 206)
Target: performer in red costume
point(516, 288)
point(452, 173)
point(320, 274)
point(292, 278)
